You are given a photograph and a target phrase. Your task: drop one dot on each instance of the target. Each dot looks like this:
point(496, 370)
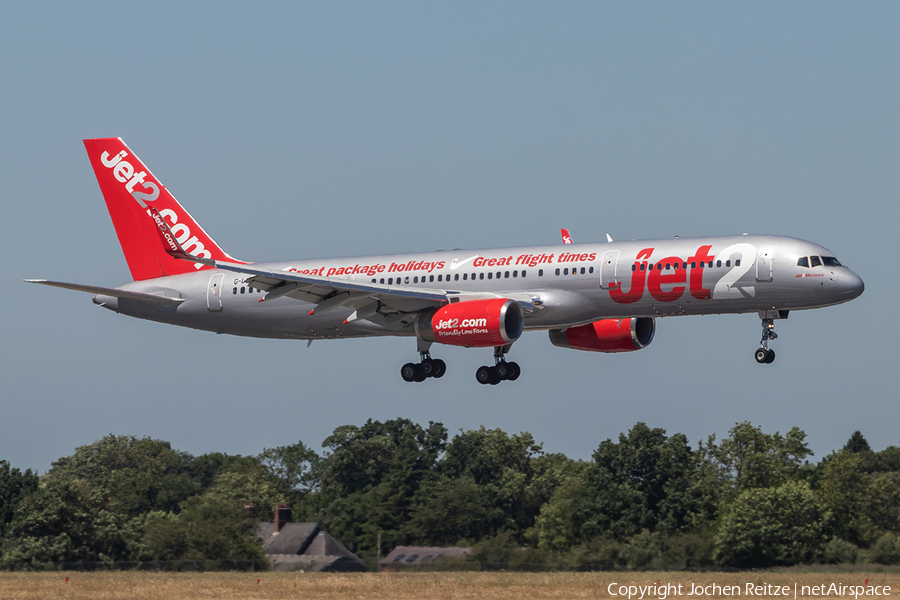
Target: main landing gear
point(501, 371)
point(764, 354)
point(425, 368)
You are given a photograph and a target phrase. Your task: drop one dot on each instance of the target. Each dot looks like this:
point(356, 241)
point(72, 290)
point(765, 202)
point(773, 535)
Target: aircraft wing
point(326, 293)
point(104, 291)
point(390, 305)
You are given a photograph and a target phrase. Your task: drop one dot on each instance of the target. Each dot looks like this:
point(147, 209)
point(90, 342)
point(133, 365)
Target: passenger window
point(591, 270)
point(465, 276)
point(481, 276)
point(505, 275)
point(498, 274)
point(557, 271)
point(439, 277)
point(415, 280)
point(668, 266)
point(727, 263)
point(643, 267)
point(814, 261)
point(634, 267)
point(684, 265)
point(406, 280)
point(674, 265)
point(709, 264)
point(650, 267)
point(234, 291)
point(431, 278)
point(718, 263)
point(242, 290)
point(390, 281)
point(693, 265)
point(382, 280)
point(582, 270)
point(374, 281)
point(515, 273)
point(540, 272)
point(566, 271)
point(737, 263)
point(523, 273)
point(456, 277)
point(490, 275)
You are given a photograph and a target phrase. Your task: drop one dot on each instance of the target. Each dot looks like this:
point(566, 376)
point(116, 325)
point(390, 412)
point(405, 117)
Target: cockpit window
point(830, 261)
point(803, 261)
point(815, 261)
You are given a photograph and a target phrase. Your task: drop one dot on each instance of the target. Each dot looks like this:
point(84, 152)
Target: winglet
point(170, 242)
point(608, 239)
point(567, 239)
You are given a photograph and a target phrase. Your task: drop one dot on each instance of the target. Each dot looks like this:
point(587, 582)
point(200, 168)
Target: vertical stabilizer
point(129, 188)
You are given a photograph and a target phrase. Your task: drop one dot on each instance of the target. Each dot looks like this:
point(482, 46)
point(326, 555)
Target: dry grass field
point(402, 586)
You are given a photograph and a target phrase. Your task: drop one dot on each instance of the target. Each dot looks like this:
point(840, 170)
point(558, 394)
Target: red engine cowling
point(473, 323)
point(607, 335)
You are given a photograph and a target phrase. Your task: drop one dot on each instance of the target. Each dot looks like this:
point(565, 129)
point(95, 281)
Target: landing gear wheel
point(428, 367)
point(761, 355)
point(503, 370)
point(487, 375)
point(440, 368)
point(515, 371)
point(410, 372)
point(770, 356)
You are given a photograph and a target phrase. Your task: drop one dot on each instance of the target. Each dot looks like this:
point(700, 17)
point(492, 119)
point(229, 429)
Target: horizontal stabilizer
point(104, 291)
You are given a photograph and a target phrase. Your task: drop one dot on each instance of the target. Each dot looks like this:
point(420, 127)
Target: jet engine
point(473, 323)
point(607, 335)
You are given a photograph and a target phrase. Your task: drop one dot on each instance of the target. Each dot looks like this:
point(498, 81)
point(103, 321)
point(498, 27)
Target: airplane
point(591, 297)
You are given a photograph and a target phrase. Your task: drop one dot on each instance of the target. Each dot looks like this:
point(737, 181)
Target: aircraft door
point(214, 292)
point(608, 269)
point(765, 268)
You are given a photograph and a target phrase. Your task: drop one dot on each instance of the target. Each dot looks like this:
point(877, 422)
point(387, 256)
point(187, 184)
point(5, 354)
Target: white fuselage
point(565, 285)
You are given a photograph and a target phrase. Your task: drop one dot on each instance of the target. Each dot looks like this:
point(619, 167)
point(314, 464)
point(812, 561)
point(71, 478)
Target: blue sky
point(294, 130)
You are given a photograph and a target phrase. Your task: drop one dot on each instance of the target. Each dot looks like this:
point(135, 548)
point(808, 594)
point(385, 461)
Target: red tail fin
point(129, 188)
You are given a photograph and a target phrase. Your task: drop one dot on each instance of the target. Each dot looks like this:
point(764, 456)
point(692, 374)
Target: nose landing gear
point(501, 371)
point(764, 354)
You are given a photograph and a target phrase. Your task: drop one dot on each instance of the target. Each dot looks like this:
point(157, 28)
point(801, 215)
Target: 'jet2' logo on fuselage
point(680, 275)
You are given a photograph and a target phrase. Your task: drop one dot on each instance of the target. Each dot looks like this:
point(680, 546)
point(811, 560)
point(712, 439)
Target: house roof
point(420, 555)
point(293, 538)
point(306, 546)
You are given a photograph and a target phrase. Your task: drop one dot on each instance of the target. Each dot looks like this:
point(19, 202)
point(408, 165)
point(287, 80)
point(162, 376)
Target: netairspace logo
point(663, 591)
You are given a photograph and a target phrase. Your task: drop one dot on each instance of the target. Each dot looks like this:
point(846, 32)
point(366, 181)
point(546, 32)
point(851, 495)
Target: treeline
point(645, 500)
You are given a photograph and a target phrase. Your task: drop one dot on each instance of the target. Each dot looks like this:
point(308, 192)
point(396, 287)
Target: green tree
point(136, 474)
point(765, 527)
point(749, 458)
point(857, 443)
point(207, 528)
point(14, 485)
point(645, 481)
point(846, 492)
point(504, 474)
point(66, 521)
point(296, 471)
point(371, 476)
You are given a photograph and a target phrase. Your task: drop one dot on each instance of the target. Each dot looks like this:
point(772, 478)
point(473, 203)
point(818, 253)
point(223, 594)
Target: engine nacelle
point(607, 335)
point(473, 323)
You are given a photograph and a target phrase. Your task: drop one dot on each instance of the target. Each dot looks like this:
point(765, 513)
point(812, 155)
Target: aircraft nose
point(852, 285)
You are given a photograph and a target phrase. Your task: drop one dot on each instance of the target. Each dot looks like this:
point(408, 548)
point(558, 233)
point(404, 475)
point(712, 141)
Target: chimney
point(282, 516)
point(249, 511)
